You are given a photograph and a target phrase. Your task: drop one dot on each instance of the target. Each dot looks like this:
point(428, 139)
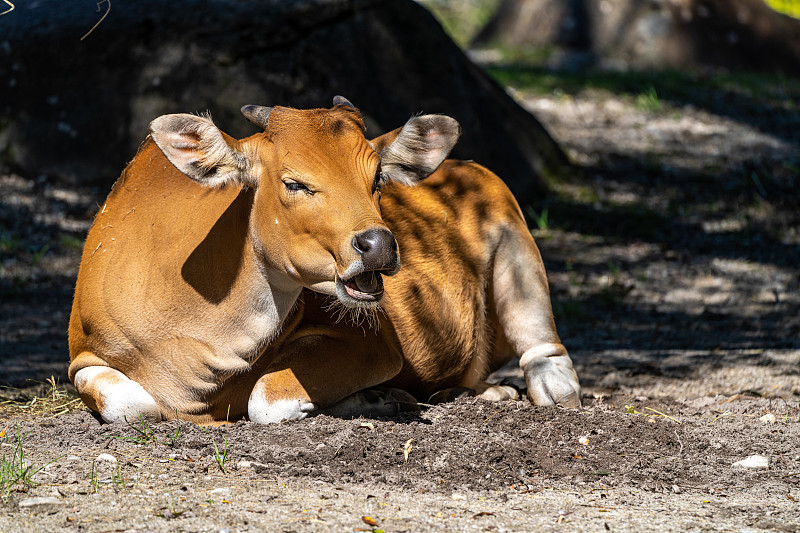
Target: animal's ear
point(379, 144)
point(200, 150)
point(420, 147)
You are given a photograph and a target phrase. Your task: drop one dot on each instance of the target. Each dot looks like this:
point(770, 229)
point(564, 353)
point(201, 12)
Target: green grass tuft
point(16, 472)
point(145, 435)
point(540, 218)
point(221, 457)
point(648, 100)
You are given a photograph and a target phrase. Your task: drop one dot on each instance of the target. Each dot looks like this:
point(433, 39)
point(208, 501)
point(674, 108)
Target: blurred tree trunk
point(734, 34)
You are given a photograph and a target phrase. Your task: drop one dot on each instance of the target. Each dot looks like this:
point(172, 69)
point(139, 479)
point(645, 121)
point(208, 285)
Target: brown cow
point(210, 280)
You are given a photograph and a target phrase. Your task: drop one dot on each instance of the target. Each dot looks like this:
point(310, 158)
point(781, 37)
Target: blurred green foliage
point(648, 100)
point(651, 90)
point(787, 7)
point(462, 19)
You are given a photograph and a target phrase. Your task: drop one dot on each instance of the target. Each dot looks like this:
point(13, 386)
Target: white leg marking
point(543, 350)
point(262, 411)
point(120, 397)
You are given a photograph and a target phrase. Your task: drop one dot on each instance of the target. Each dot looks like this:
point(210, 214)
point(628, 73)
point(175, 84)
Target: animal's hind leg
point(373, 403)
point(487, 391)
point(114, 396)
point(522, 302)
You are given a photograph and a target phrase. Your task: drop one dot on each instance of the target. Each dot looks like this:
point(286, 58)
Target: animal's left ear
point(419, 149)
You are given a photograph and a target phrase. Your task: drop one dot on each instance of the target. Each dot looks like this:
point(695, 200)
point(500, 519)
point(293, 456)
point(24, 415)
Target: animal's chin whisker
point(365, 317)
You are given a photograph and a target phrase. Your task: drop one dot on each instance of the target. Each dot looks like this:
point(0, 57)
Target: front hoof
point(552, 381)
point(571, 400)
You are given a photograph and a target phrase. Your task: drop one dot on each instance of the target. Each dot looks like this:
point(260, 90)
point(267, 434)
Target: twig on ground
point(664, 415)
point(407, 447)
point(578, 110)
point(679, 442)
point(726, 413)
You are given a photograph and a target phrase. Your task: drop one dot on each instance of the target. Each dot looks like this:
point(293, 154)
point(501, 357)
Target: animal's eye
point(295, 186)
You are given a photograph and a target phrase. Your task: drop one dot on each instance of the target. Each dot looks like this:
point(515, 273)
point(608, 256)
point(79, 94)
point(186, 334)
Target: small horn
point(341, 100)
point(257, 114)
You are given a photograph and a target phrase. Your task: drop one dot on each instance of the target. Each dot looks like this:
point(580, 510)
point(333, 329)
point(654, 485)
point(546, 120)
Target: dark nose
point(377, 248)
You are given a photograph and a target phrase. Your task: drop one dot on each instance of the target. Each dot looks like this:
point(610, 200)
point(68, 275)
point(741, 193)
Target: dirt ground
point(673, 260)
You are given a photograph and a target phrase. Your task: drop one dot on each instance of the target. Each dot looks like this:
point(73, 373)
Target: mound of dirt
point(469, 465)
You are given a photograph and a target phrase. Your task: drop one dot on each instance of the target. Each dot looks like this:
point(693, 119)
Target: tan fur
point(204, 292)
point(439, 313)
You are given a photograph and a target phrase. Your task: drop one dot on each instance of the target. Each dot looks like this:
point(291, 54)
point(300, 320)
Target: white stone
point(754, 461)
point(248, 464)
point(769, 418)
point(39, 502)
point(106, 457)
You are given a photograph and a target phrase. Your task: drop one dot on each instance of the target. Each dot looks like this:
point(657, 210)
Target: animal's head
point(317, 180)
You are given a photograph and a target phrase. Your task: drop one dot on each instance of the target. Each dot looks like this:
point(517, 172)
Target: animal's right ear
point(200, 150)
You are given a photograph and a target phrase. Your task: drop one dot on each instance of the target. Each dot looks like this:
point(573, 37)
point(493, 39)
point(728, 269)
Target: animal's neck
point(268, 295)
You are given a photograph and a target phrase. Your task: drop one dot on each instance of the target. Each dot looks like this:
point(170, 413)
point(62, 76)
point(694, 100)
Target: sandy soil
point(673, 261)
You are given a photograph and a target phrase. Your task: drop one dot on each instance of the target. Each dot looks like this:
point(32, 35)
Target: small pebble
point(584, 440)
point(248, 464)
point(106, 457)
point(754, 461)
point(769, 418)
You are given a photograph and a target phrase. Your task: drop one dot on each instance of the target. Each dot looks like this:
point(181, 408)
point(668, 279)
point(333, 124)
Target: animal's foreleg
point(317, 370)
point(522, 300)
point(114, 396)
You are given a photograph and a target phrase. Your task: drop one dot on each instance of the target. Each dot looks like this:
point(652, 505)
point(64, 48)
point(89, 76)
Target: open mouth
point(364, 287)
